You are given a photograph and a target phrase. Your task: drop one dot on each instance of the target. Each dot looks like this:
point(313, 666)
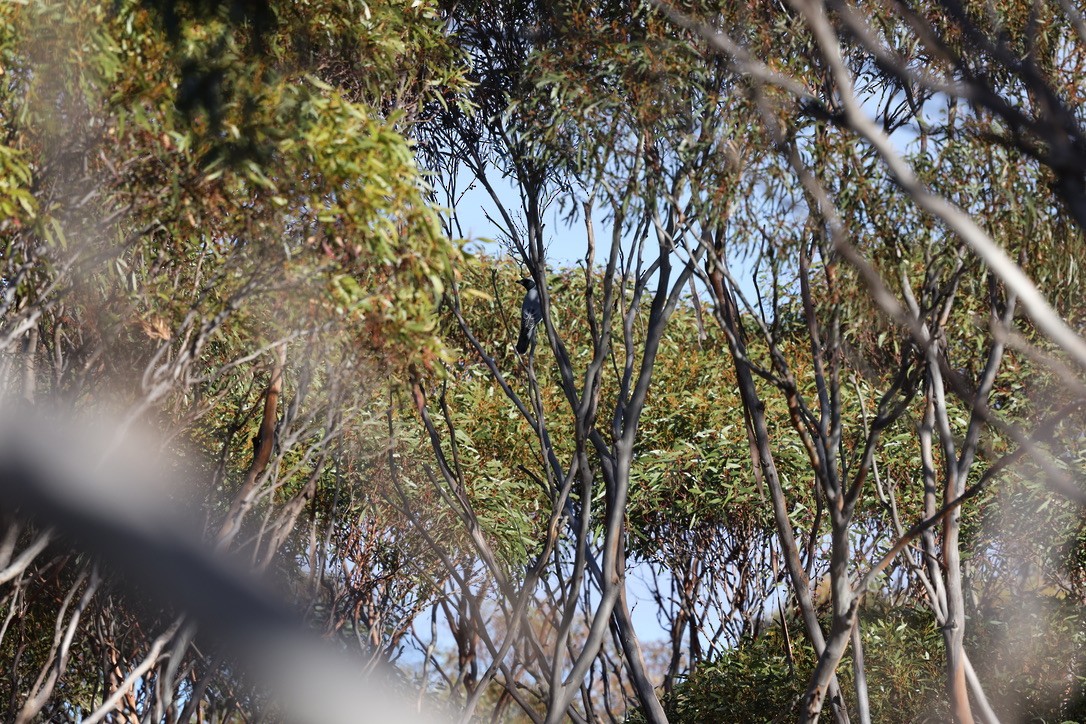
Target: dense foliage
point(799, 433)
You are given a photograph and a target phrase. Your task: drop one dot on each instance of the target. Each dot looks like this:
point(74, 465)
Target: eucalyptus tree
point(886, 168)
point(214, 232)
point(926, 213)
point(213, 221)
point(632, 283)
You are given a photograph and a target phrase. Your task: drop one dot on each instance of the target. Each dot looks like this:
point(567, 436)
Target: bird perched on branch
point(531, 312)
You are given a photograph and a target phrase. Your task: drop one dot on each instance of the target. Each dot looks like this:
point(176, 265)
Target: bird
point(531, 312)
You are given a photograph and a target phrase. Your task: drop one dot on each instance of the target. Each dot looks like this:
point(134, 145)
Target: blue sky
point(566, 242)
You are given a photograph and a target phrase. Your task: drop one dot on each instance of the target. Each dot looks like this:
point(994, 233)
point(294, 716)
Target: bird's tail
point(523, 340)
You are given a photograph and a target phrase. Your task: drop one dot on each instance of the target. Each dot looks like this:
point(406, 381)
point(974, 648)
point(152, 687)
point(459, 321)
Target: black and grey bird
point(531, 312)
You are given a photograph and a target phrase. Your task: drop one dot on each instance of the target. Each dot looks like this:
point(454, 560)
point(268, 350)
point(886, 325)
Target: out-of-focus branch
point(111, 512)
point(17, 566)
point(1036, 305)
